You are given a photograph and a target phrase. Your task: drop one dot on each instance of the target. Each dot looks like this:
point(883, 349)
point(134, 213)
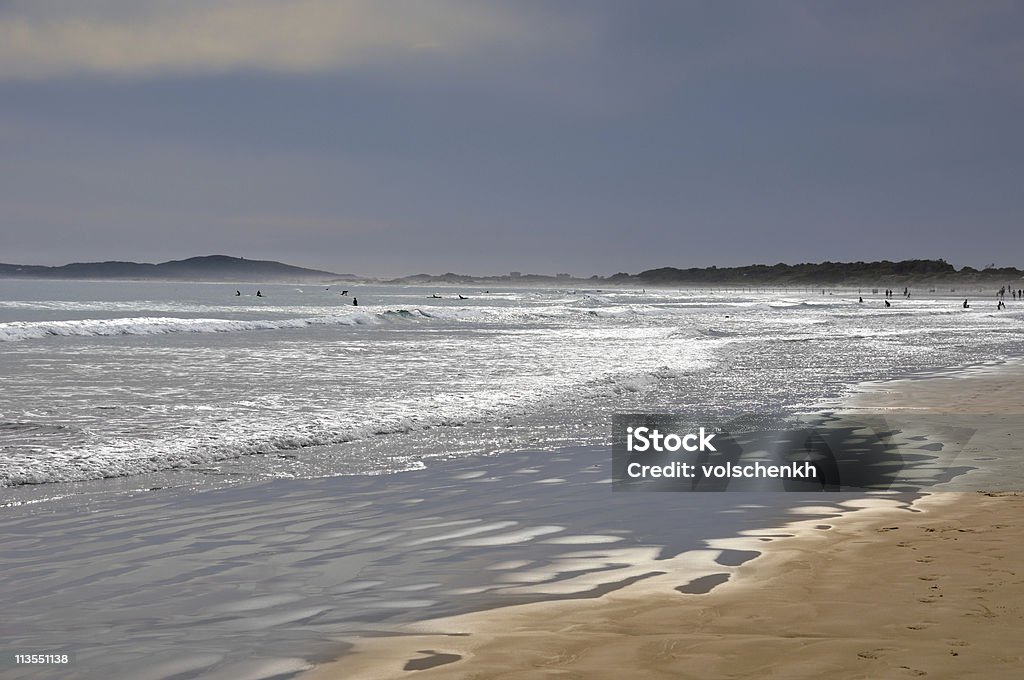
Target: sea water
point(107, 379)
point(261, 478)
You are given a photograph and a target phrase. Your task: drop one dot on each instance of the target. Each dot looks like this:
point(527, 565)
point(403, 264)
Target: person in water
point(344, 292)
point(966, 306)
point(237, 293)
point(355, 301)
point(887, 304)
point(461, 297)
point(259, 293)
point(860, 300)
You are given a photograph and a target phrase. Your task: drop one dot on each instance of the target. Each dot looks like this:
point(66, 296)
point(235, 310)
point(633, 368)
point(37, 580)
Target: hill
point(203, 268)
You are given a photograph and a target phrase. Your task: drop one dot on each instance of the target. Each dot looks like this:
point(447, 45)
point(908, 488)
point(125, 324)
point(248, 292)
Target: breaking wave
point(150, 325)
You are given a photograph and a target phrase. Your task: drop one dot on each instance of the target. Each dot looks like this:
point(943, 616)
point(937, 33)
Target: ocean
point(109, 379)
point(203, 485)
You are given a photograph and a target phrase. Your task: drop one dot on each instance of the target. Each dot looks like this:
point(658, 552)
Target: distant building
point(515, 275)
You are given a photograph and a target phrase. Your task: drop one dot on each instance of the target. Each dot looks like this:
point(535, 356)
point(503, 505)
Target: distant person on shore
point(259, 293)
point(355, 301)
point(966, 306)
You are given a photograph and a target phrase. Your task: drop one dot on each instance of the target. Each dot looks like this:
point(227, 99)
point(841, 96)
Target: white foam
point(25, 330)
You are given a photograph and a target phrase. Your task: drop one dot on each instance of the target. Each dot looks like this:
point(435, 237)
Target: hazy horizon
point(478, 274)
point(386, 139)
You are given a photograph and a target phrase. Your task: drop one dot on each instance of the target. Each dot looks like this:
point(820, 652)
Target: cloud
point(125, 38)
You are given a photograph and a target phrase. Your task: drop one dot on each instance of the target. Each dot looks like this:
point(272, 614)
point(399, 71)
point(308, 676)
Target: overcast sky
point(380, 137)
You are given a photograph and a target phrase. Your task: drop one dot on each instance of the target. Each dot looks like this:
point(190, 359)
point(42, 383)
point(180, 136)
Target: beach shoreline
point(946, 604)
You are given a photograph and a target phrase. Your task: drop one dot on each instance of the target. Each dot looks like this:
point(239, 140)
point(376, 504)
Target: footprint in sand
point(913, 671)
point(873, 653)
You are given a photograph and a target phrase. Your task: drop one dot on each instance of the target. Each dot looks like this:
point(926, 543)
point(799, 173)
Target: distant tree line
point(824, 272)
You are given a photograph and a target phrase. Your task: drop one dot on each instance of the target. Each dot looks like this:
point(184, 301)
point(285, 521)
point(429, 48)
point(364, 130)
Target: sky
point(393, 137)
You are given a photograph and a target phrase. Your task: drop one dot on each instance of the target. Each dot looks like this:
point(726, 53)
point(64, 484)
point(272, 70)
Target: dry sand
point(936, 592)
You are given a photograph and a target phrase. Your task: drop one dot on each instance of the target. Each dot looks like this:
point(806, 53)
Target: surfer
point(238, 293)
point(436, 296)
point(355, 301)
point(887, 304)
point(259, 294)
point(860, 300)
point(462, 297)
point(966, 306)
point(344, 292)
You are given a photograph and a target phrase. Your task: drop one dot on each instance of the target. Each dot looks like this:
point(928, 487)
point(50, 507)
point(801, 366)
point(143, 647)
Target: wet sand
point(933, 591)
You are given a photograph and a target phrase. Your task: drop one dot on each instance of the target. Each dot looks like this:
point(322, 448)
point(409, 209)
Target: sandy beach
point(933, 590)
